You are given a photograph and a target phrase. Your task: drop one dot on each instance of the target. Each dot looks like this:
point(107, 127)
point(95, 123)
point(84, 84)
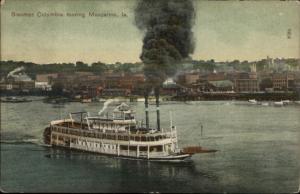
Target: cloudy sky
point(223, 30)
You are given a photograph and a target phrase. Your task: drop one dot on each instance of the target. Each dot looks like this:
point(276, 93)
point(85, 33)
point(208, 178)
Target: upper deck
point(122, 127)
point(136, 134)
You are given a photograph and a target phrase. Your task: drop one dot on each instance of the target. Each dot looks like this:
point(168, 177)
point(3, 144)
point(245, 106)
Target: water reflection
point(141, 176)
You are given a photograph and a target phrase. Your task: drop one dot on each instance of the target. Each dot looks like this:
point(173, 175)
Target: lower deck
point(114, 147)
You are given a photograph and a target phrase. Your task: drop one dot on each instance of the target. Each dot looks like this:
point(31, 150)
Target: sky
point(223, 30)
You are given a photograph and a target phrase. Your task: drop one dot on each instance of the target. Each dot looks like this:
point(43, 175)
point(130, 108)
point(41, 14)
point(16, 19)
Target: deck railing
point(116, 135)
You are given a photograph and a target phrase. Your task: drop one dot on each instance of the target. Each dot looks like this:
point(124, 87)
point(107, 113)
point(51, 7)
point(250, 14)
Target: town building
point(246, 82)
point(187, 78)
point(44, 81)
point(115, 92)
point(283, 81)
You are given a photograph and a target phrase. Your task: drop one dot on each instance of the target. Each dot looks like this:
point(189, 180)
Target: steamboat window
point(143, 148)
point(123, 147)
point(128, 117)
point(132, 148)
point(156, 148)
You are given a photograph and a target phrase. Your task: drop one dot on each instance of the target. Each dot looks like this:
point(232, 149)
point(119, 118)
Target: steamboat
point(121, 136)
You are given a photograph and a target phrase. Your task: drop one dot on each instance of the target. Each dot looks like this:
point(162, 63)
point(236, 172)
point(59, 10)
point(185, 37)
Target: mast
point(146, 93)
point(157, 107)
point(171, 119)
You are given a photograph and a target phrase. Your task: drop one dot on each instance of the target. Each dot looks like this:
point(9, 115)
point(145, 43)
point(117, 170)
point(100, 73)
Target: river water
point(258, 151)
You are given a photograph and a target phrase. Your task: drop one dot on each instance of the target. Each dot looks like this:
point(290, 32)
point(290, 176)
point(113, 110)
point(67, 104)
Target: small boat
point(86, 100)
point(140, 99)
point(279, 103)
point(15, 100)
point(252, 101)
point(265, 104)
point(286, 102)
point(56, 100)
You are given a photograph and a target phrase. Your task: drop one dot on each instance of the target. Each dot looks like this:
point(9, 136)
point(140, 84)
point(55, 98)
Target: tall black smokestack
point(168, 39)
point(146, 94)
point(156, 91)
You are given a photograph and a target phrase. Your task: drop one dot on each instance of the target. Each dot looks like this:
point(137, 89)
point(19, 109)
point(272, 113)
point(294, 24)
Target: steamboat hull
point(181, 158)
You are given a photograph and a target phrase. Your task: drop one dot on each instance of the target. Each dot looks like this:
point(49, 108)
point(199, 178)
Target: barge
point(15, 100)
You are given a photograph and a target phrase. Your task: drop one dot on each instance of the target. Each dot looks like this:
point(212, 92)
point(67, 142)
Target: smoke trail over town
point(168, 40)
point(168, 36)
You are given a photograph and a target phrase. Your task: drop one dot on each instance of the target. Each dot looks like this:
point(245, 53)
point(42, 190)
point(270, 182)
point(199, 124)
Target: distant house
point(213, 82)
point(115, 92)
point(222, 85)
point(283, 81)
point(202, 86)
point(170, 88)
point(188, 78)
point(131, 81)
point(89, 91)
point(246, 82)
point(43, 81)
point(20, 82)
point(214, 77)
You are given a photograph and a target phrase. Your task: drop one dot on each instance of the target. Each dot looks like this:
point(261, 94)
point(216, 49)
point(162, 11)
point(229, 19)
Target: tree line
point(32, 69)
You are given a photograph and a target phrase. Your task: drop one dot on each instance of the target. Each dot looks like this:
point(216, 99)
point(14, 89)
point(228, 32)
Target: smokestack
point(146, 108)
point(157, 107)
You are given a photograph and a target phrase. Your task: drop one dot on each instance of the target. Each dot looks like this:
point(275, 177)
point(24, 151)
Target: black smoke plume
point(168, 36)
point(168, 40)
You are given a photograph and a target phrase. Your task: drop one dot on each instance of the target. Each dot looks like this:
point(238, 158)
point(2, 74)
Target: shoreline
point(182, 98)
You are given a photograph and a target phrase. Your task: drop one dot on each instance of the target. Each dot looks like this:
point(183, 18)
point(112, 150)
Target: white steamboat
point(119, 136)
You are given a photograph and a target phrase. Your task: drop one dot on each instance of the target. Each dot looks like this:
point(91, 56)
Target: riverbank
point(276, 96)
point(208, 96)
